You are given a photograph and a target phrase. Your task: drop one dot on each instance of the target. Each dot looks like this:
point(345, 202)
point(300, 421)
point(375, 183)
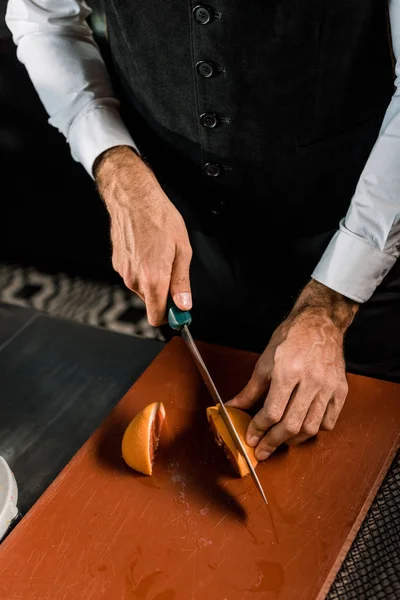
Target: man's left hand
point(302, 372)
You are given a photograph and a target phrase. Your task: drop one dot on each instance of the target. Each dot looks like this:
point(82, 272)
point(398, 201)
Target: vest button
point(202, 14)
point(217, 207)
point(212, 169)
point(205, 68)
point(209, 120)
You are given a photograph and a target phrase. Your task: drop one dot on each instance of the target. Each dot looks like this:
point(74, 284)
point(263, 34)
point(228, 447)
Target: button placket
point(206, 69)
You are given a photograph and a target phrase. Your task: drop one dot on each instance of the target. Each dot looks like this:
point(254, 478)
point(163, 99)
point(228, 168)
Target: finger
point(180, 279)
point(255, 388)
point(290, 425)
point(274, 407)
point(155, 297)
point(335, 406)
point(130, 280)
point(312, 422)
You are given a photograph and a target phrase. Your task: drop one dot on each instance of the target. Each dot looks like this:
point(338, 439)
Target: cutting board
point(193, 531)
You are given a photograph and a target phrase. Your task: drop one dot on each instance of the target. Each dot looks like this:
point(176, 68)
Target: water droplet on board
point(270, 578)
point(181, 497)
point(202, 543)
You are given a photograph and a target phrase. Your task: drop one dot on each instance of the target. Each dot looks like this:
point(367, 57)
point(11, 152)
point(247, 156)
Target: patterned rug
point(99, 304)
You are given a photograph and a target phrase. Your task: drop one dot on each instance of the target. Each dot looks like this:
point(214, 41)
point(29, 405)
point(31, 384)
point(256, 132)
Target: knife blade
point(180, 321)
point(187, 336)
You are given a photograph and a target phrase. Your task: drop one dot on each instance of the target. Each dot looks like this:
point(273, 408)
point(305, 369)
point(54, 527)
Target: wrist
point(122, 176)
point(110, 159)
point(319, 299)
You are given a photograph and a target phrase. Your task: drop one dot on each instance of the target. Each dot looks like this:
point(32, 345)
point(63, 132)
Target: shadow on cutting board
point(187, 456)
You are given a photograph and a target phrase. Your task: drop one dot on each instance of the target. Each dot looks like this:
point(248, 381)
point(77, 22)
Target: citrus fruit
point(140, 441)
point(241, 421)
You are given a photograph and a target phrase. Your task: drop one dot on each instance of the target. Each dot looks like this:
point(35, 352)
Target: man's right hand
point(151, 247)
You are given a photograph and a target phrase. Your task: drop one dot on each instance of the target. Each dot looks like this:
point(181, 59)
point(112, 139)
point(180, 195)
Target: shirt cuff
point(95, 131)
point(352, 267)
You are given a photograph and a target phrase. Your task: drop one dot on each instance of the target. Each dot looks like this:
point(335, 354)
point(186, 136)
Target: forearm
point(57, 47)
point(367, 244)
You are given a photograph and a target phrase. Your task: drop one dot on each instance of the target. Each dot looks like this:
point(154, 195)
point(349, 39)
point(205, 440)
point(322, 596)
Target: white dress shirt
point(57, 47)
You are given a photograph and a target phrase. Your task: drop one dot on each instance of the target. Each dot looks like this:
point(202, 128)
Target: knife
point(180, 320)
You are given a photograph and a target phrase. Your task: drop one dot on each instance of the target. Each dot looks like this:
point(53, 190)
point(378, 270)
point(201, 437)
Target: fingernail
point(262, 455)
point(253, 440)
point(184, 299)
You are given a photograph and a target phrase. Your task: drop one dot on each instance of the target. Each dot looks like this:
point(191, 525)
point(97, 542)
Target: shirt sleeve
point(367, 244)
point(57, 48)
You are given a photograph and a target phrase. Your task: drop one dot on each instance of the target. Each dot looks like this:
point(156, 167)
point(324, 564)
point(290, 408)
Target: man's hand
point(302, 371)
point(151, 248)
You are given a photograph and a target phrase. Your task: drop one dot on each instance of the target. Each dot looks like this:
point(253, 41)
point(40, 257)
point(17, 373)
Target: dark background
point(51, 215)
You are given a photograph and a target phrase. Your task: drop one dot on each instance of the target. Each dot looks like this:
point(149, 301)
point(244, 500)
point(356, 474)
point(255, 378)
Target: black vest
point(271, 106)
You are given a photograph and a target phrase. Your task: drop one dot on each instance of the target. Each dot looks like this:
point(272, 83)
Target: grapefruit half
point(140, 441)
point(241, 421)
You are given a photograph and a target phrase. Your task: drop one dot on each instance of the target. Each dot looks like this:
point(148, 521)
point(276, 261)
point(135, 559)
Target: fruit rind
point(241, 421)
point(141, 438)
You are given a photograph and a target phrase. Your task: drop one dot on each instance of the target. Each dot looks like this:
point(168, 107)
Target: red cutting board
point(193, 531)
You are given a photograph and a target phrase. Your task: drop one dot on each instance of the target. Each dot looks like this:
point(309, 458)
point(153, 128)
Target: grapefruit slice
point(241, 421)
point(140, 441)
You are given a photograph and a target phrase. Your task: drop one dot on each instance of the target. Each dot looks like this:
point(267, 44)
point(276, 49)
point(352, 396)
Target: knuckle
point(261, 378)
point(187, 253)
point(310, 429)
point(292, 427)
point(272, 415)
point(260, 373)
point(256, 427)
point(290, 370)
point(296, 366)
point(284, 377)
point(279, 354)
point(319, 376)
point(329, 424)
point(180, 281)
point(128, 279)
point(268, 448)
point(266, 444)
point(343, 388)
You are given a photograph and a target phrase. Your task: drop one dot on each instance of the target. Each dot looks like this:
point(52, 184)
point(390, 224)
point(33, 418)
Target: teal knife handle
point(177, 318)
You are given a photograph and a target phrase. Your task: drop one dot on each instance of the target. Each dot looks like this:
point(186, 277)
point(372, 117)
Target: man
point(255, 126)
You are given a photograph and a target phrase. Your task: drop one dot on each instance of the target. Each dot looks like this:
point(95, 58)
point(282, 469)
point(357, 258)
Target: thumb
point(256, 387)
point(180, 280)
